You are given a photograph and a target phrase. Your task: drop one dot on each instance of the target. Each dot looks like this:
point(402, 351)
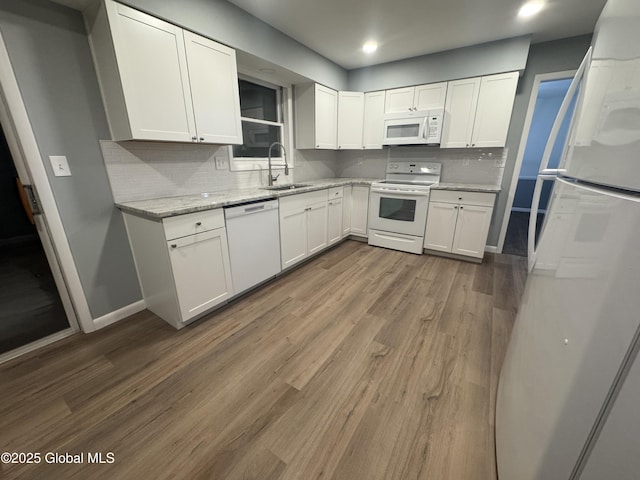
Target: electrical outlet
point(60, 165)
point(221, 163)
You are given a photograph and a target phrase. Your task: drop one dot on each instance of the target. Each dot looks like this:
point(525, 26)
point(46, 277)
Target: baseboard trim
point(491, 249)
point(120, 314)
point(30, 347)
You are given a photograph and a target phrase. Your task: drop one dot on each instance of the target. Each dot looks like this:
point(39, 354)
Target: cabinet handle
point(317, 146)
point(473, 144)
point(194, 138)
point(467, 144)
point(455, 207)
point(198, 224)
point(461, 207)
point(173, 245)
point(202, 139)
point(459, 198)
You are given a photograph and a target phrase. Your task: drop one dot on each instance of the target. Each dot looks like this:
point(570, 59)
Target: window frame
point(284, 96)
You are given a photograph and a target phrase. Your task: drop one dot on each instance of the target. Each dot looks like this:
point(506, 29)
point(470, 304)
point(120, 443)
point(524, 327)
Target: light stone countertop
point(159, 208)
point(467, 187)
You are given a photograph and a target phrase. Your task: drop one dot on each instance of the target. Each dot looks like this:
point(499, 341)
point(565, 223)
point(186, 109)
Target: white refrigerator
point(568, 405)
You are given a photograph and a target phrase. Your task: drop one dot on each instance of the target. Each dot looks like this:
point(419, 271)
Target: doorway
point(547, 96)
point(30, 305)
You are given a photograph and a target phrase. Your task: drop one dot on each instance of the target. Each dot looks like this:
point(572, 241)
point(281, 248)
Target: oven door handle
point(400, 192)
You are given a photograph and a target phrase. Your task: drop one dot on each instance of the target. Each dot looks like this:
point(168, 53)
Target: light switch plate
point(221, 163)
point(60, 165)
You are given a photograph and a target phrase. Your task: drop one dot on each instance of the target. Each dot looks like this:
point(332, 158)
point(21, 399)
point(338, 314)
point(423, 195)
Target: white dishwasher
point(253, 234)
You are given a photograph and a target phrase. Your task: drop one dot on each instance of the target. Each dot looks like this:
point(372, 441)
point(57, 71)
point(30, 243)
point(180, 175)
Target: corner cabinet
point(160, 82)
point(458, 222)
point(359, 210)
point(182, 263)
point(303, 226)
point(316, 118)
point(478, 111)
point(350, 120)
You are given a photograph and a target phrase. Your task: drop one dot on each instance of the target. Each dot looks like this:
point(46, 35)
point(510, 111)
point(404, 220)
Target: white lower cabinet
point(458, 222)
point(334, 222)
point(182, 263)
point(200, 265)
point(346, 210)
point(303, 226)
point(359, 210)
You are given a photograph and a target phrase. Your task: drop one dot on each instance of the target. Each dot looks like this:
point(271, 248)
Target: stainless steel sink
point(291, 186)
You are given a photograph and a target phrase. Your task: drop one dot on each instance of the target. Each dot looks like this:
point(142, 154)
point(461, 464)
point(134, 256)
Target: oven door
point(398, 212)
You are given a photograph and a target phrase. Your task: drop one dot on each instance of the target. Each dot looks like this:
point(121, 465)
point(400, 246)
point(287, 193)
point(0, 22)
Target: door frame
point(30, 167)
point(538, 79)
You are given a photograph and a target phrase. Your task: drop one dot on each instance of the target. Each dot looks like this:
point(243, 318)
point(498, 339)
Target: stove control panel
point(413, 168)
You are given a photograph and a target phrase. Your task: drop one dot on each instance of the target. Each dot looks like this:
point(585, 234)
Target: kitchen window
point(263, 109)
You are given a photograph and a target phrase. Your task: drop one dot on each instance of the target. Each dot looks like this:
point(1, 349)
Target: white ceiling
point(336, 29)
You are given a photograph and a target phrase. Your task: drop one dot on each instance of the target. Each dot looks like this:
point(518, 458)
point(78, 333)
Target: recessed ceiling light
point(369, 47)
point(530, 8)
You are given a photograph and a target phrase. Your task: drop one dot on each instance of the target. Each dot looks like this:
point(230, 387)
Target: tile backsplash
point(144, 170)
point(461, 165)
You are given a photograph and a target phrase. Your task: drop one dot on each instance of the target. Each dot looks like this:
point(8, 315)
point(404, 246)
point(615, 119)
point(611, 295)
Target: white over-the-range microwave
point(420, 127)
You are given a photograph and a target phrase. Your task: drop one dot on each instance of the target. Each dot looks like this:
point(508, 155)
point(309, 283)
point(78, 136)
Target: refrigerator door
point(616, 453)
point(574, 327)
point(605, 142)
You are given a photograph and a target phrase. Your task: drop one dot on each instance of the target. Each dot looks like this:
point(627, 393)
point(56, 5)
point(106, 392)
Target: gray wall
point(484, 59)
point(546, 57)
point(228, 24)
point(50, 54)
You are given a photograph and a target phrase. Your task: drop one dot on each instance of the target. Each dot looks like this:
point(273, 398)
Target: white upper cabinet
point(420, 97)
point(153, 87)
point(493, 114)
point(430, 97)
point(214, 90)
point(399, 100)
point(316, 116)
point(373, 120)
point(350, 120)
point(459, 113)
point(478, 111)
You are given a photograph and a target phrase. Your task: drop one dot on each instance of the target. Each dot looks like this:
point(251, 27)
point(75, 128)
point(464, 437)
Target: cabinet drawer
point(336, 192)
point(460, 196)
point(191, 223)
point(302, 200)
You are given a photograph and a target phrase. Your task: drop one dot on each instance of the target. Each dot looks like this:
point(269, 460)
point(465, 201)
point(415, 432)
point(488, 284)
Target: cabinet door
point(472, 228)
point(429, 97)
point(214, 89)
point(350, 120)
point(399, 100)
point(459, 113)
point(326, 117)
point(373, 120)
point(334, 221)
point(493, 114)
point(441, 226)
point(316, 227)
point(359, 210)
point(293, 236)
point(346, 211)
point(153, 72)
point(200, 265)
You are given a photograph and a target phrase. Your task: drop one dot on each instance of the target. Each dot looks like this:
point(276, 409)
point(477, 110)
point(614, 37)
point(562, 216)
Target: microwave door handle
point(424, 127)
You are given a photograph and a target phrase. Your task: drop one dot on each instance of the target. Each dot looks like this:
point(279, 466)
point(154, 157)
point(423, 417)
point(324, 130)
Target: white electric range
point(398, 205)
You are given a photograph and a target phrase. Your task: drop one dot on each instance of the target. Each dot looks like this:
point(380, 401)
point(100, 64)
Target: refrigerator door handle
point(548, 173)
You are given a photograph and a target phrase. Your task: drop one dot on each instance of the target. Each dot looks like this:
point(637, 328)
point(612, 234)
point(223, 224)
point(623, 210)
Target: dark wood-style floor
point(364, 363)
point(30, 306)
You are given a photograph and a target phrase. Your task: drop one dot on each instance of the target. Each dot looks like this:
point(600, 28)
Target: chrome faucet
point(286, 165)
